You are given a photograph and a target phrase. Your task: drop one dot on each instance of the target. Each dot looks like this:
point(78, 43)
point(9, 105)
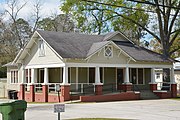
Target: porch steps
point(147, 94)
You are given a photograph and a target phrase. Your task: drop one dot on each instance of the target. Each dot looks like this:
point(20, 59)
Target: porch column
point(126, 80)
point(98, 84)
point(46, 76)
point(32, 93)
point(65, 86)
point(173, 84)
point(45, 85)
point(28, 75)
point(22, 86)
point(32, 75)
point(126, 86)
point(97, 75)
point(153, 84)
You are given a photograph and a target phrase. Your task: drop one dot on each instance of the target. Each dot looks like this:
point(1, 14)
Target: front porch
point(89, 83)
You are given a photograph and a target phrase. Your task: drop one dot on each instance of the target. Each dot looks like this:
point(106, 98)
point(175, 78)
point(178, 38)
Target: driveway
point(142, 110)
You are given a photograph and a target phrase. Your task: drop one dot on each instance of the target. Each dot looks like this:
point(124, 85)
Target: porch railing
point(110, 88)
point(82, 88)
point(52, 87)
point(38, 87)
point(27, 87)
point(164, 86)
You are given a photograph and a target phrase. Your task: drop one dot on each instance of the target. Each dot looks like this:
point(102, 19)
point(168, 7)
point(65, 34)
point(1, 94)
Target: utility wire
point(121, 6)
point(150, 3)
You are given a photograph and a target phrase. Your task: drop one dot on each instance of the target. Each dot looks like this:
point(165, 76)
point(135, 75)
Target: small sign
point(57, 87)
point(59, 108)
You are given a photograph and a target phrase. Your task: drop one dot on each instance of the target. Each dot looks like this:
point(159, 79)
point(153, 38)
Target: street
point(164, 109)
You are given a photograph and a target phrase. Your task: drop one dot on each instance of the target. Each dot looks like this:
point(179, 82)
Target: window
point(108, 51)
point(137, 76)
point(41, 48)
point(157, 75)
point(14, 76)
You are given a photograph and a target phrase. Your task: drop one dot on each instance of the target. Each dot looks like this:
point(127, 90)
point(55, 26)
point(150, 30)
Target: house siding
point(115, 59)
point(12, 86)
point(34, 58)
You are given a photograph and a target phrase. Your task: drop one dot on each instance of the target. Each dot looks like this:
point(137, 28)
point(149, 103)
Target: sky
point(49, 7)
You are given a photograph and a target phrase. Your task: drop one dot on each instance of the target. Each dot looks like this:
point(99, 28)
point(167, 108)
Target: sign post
point(58, 108)
point(58, 90)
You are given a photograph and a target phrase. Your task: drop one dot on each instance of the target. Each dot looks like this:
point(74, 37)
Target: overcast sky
point(49, 7)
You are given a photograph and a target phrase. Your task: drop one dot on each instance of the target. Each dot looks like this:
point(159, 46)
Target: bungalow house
point(86, 67)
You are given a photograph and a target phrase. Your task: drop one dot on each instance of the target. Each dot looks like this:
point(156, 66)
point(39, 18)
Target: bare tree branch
point(173, 20)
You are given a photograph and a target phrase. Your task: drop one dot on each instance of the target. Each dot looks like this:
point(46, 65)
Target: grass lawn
point(99, 119)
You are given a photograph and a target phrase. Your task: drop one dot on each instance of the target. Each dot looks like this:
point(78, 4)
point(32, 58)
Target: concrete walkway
point(142, 110)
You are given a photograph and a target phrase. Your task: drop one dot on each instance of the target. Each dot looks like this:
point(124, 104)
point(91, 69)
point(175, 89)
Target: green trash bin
point(13, 110)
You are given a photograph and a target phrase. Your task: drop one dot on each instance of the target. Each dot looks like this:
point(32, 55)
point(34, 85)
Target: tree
point(14, 7)
point(93, 17)
point(166, 13)
point(60, 22)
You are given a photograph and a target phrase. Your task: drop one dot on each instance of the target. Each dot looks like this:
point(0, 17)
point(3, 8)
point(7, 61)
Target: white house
point(86, 67)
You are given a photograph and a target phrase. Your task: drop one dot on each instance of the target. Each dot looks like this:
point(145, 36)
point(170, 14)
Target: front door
point(120, 76)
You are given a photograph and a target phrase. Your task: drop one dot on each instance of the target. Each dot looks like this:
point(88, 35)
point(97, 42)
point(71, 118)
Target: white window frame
point(41, 48)
point(14, 76)
point(111, 51)
point(158, 75)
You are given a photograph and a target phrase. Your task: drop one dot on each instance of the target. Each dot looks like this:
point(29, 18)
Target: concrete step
point(147, 94)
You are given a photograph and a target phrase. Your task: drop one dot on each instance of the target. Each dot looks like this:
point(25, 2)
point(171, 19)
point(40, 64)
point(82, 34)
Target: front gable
point(118, 56)
point(33, 56)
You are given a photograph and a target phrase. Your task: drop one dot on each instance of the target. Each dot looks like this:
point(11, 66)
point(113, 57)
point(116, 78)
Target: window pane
point(16, 76)
point(140, 76)
point(157, 75)
point(12, 76)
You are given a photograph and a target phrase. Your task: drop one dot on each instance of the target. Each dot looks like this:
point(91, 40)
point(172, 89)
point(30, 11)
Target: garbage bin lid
point(3, 102)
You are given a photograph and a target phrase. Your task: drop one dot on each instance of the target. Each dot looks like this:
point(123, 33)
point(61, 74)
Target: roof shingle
point(75, 45)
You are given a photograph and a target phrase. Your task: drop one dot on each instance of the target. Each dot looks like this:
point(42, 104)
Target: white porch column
point(97, 75)
point(23, 76)
point(28, 75)
point(153, 76)
point(46, 76)
point(32, 75)
point(126, 80)
point(65, 75)
point(77, 77)
point(172, 79)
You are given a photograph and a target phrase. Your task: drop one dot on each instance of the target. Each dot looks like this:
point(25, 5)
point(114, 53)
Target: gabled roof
point(70, 45)
point(10, 64)
point(96, 46)
point(81, 46)
point(141, 53)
